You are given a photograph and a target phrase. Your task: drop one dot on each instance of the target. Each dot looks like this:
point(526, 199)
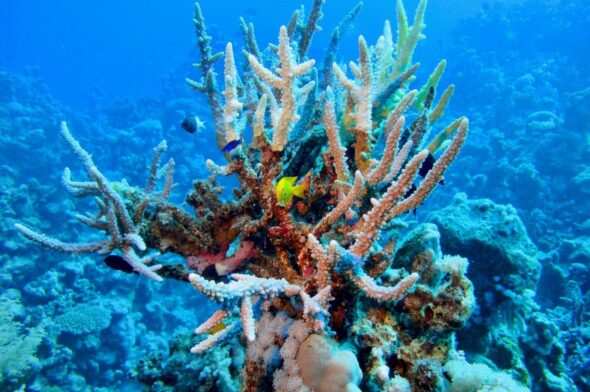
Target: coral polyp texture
point(306, 260)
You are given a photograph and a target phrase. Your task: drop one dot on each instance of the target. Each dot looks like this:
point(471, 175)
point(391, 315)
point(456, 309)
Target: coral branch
point(213, 321)
point(394, 130)
point(434, 176)
point(362, 97)
point(378, 215)
point(311, 27)
point(216, 338)
point(64, 247)
point(232, 105)
point(153, 173)
point(336, 36)
point(382, 293)
point(101, 181)
point(342, 207)
point(334, 142)
point(325, 260)
point(119, 225)
point(207, 84)
point(284, 116)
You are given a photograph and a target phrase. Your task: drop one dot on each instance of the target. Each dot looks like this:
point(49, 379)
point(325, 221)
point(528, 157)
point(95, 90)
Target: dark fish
point(210, 273)
point(447, 376)
point(118, 263)
point(231, 145)
point(192, 123)
point(427, 166)
point(409, 193)
point(410, 190)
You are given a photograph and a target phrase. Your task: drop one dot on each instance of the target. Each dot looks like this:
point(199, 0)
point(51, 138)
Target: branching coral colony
point(324, 269)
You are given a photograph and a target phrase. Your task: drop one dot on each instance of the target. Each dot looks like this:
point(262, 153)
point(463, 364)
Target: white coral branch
point(283, 116)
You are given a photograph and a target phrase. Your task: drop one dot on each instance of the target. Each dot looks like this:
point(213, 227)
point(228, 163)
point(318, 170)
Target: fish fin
point(221, 269)
point(300, 189)
point(290, 180)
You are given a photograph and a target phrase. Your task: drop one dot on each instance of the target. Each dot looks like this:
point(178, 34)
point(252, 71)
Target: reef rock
point(494, 239)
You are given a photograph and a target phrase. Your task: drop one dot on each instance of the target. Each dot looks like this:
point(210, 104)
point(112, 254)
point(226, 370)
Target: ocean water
point(515, 203)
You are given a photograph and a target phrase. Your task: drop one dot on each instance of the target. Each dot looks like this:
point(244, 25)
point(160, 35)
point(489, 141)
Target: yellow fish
point(286, 189)
point(219, 327)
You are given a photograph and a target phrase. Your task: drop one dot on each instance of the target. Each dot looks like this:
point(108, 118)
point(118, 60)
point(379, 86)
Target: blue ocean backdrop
point(515, 203)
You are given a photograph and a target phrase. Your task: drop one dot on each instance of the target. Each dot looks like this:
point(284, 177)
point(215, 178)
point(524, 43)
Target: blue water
point(115, 71)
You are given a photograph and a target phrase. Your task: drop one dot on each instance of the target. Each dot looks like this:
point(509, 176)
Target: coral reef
point(115, 317)
point(508, 327)
point(530, 115)
point(17, 346)
point(530, 118)
point(316, 282)
point(213, 370)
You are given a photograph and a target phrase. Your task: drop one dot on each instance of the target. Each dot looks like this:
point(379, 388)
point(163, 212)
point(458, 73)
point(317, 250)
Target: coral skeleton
point(324, 264)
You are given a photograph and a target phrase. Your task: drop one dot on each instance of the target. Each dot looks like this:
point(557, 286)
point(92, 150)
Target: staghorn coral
point(323, 267)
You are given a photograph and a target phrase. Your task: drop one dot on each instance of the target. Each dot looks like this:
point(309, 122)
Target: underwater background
point(515, 203)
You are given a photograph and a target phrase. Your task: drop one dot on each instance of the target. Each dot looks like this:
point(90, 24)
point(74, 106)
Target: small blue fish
point(352, 221)
point(231, 145)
